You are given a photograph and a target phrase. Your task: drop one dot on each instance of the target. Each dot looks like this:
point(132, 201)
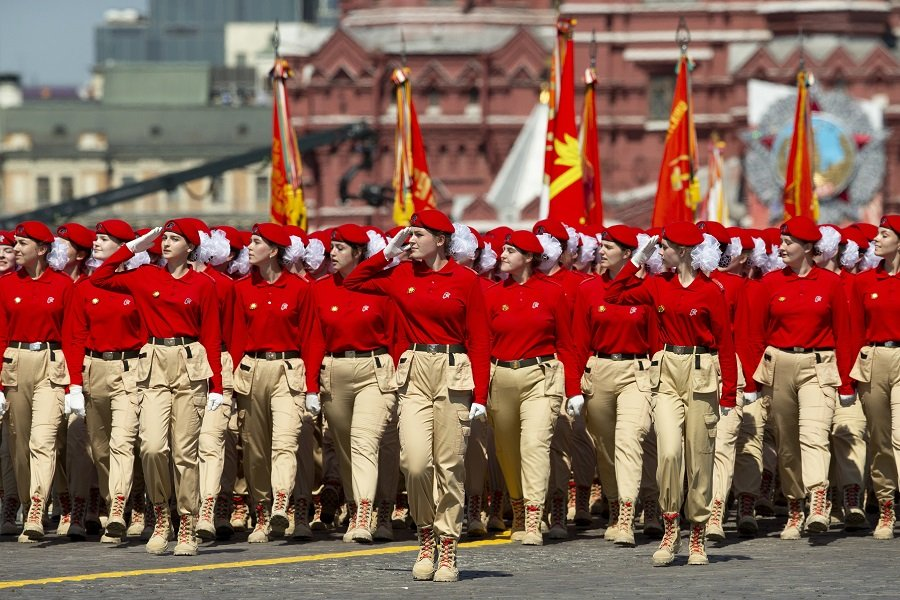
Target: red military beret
point(802, 228)
point(683, 233)
point(390, 233)
point(887, 221)
point(853, 234)
point(772, 236)
point(525, 241)
point(199, 224)
point(323, 236)
point(235, 240)
point(34, 230)
point(77, 234)
point(554, 228)
point(245, 237)
point(496, 237)
point(7, 238)
point(868, 230)
point(297, 231)
point(478, 237)
point(717, 230)
point(272, 233)
point(744, 235)
point(432, 219)
point(350, 234)
point(116, 228)
point(622, 235)
point(186, 228)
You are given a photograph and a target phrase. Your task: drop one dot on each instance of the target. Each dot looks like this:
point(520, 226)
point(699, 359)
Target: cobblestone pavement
point(831, 565)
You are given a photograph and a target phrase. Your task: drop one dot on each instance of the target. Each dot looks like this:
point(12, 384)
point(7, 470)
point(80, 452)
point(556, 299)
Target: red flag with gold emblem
point(412, 182)
point(566, 191)
point(799, 191)
point(678, 190)
point(287, 203)
point(590, 151)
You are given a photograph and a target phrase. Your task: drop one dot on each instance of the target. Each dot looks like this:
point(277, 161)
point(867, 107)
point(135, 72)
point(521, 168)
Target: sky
point(51, 42)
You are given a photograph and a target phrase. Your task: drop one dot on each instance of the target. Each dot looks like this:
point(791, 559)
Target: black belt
point(689, 349)
point(359, 353)
point(890, 344)
point(36, 346)
point(801, 350)
point(274, 355)
point(439, 348)
point(524, 362)
point(172, 341)
point(117, 355)
point(619, 356)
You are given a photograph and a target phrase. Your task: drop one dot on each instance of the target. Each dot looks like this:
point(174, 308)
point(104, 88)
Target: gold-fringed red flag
point(678, 190)
point(716, 206)
point(799, 190)
point(566, 189)
point(590, 151)
point(412, 182)
point(288, 206)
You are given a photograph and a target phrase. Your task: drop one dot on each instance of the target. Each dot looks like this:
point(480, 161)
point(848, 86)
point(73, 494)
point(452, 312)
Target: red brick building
point(478, 66)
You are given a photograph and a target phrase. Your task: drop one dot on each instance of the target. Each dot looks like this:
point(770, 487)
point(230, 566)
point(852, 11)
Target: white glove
point(144, 242)
point(214, 401)
point(848, 400)
point(478, 411)
point(643, 254)
point(396, 246)
point(75, 401)
point(312, 403)
point(750, 397)
point(3, 404)
point(575, 405)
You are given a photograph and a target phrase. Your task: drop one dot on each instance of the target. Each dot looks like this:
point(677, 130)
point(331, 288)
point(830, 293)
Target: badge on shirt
point(781, 298)
point(874, 296)
point(505, 307)
point(187, 300)
point(95, 301)
point(446, 295)
point(601, 308)
point(660, 309)
point(334, 308)
point(693, 312)
point(50, 300)
point(410, 290)
point(17, 300)
point(365, 307)
point(156, 294)
point(253, 306)
point(818, 298)
point(284, 306)
point(633, 310)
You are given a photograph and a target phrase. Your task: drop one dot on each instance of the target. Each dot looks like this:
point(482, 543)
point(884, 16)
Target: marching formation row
point(185, 368)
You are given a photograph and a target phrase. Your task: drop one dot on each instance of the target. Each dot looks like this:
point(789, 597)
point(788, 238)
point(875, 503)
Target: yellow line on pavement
point(262, 562)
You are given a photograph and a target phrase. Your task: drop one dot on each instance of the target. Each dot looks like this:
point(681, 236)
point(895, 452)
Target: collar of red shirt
point(258, 281)
point(420, 268)
point(46, 277)
point(881, 272)
point(699, 279)
point(790, 275)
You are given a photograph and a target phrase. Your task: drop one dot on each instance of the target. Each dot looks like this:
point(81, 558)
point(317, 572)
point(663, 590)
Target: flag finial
point(402, 47)
point(802, 50)
point(593, 48)
point(682, 34)
point(276, 39)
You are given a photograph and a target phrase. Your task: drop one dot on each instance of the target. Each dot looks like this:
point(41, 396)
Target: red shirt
point(435, 307)
point(809, 312)
point(696, 315)
point(278, 317)
point(170, 307)
point(876, 297)
point(102, 321)
point(225, 294)
point(601, 326)
point(33, 310)
point(354, 320)
point(529, 320)
point(570, 281)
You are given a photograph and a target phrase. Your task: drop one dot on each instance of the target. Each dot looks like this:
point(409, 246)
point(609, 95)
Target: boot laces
point(573, 493)
point(352, 509)
point(518, 507)
point(651, 510)
point(819, 499)
point(558, 509)
point(448, 553)
point(615, 508)
point(626, 511)
point(10, 508)
point(240, 509)
point(426, 543)
point(716, 513)
point(364, 513)
point(384, 512)
point(34, 513)
point(65, 508)
point(887, 514)
point(795, 513)
point(185, 535)
point(78, 508)
point(766, 484)
point(118, 506)
point(748, 504)
point(496, 504)
point(670, 531)
point(206, 510)
point(696, 543)
point(221, 510)
point(301, 510)
point(851, 496)
point(160, 514)
point(475, 507)
point(281, 499)
point(262, 517)
point(532, 517)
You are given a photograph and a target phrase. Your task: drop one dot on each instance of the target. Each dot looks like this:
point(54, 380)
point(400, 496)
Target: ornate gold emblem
point(410, 290)
point(602, 309)
point(660, 309)
point(505, 307)
point(253, 306)
point(95, 301)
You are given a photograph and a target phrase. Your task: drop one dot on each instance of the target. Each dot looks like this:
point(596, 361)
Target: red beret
point(887, 221)
point(621, 234)
point(186, 228)
point(245, 237)
point(7, 238)
point(554, 228)
point(76, 233)
point(297, 231)
point(496, 237)
point(742, 234)
point(853, 234)
point(393, 231)
point(116, 228)
point(683, 233)
point(200, 225)
point(272, 233)
point(802, 228)
point(350, 234)
point(432, 219)
point(156, 248)
point(323, 236)
point(34, 230)
point(868, 230)
point(235, 240)
point(655, 231)
point(525, 241)
point(478, 237)
point(772, 236)
point(373, 228)
point(717, 230)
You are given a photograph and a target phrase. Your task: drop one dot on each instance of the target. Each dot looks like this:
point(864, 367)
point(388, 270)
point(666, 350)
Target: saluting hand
point(643, 254)
point(144, 242)
point(397, 245)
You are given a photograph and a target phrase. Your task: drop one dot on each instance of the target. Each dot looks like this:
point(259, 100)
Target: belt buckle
point(350, 354)
point(34, 346)
point(271, 355)
point(431, 348)
point(616, 356)
point(514, 364)
point(799, 349)
point(109, 355)
point(890, 344)
point(170, 341)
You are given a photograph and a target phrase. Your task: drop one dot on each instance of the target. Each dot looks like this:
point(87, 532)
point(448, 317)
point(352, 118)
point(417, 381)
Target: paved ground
point(832, 565)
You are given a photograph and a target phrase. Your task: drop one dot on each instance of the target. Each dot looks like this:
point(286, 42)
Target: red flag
point(412, 182)
point(287, 204)
point(799, 192)
point(590, 151)
point(566, 191)
point(677, 190)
